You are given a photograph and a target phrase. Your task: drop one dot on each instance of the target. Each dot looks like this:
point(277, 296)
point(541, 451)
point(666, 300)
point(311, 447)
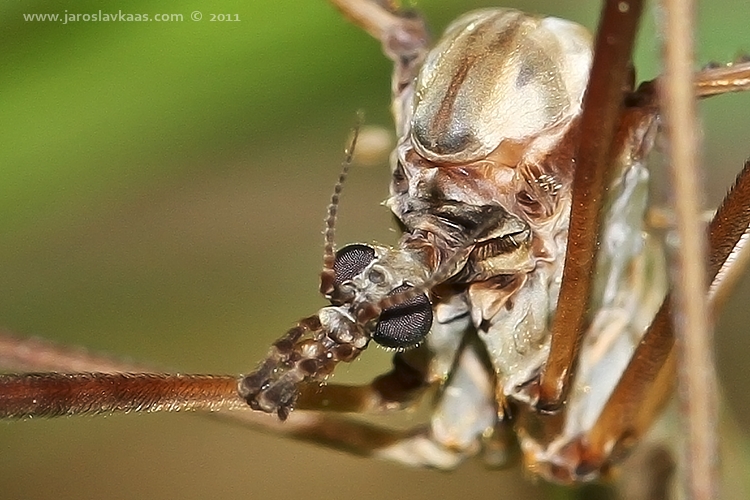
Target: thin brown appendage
point(371, 16)
point(388, 392)
point(36, 355)
point(325, 429)
point(729, 220)
point(336, 432)
point(721, 80)
point(403, 36)
point(602, 105)
point(696, 375)
point(649, 378)
point(61, 394)
point(708, 82)
point(327, 275)
point(91, 383)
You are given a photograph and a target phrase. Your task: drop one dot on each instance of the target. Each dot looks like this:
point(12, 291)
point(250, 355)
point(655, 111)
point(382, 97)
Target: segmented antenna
point(329, 250)
point(368, 311)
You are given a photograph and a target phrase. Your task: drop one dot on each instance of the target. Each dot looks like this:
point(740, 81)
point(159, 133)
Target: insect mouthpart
point(507, 254)
point(505, 249)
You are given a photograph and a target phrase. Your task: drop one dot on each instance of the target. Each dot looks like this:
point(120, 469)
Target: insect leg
point(64, 394)
point(37, 355)
point(404, 39)
point(602, 106)
point(649, 377)
point(403, 34)
point(391, 391)
point(416, 446)
point(723, 79)
point(464, 421)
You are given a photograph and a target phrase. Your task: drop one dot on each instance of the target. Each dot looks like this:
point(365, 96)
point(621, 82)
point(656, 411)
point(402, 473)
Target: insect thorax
point(486, 138)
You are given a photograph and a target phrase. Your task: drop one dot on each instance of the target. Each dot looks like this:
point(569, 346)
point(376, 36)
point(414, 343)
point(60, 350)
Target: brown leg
point(634, 403)
point(405, 41)
point(723, 79)
point(569, 322)
point(343, 433)
point(37, 355)
point(424, 445)
point(417, 447)
point(73, 381)
point(403, 35)
point(601, 115)
point(649, 377)
point(65, 394)
point(388, 392)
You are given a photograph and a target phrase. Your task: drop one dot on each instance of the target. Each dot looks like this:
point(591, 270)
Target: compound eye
point(350, 261)
point(404, 325)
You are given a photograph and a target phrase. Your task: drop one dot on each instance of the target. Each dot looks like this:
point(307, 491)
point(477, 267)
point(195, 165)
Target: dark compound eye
point(404, 325)
point(350, 261)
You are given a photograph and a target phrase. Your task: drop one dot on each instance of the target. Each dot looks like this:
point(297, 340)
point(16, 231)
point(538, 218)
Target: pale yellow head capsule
point(496, 76)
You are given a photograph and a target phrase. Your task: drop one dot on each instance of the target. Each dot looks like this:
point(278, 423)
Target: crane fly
point(536, 396)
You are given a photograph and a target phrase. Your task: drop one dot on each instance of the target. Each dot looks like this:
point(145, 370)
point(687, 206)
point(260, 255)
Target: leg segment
point(566, 333)
point(405, 41)
point(37, 355)
point(435, 445)
point(403, 34)
point(391, 391)
point(642, 388)
point(648, 379)
point(65, 394)
point(600, 117)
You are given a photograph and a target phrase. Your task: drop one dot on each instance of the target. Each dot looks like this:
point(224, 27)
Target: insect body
point(481, 186)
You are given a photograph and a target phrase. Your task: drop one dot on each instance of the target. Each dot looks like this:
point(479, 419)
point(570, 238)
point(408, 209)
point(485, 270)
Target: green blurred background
point(163, 187)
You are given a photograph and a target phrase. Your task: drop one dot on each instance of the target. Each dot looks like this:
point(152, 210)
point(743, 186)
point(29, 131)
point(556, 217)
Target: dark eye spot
point(351, 261)
point(406, 324)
